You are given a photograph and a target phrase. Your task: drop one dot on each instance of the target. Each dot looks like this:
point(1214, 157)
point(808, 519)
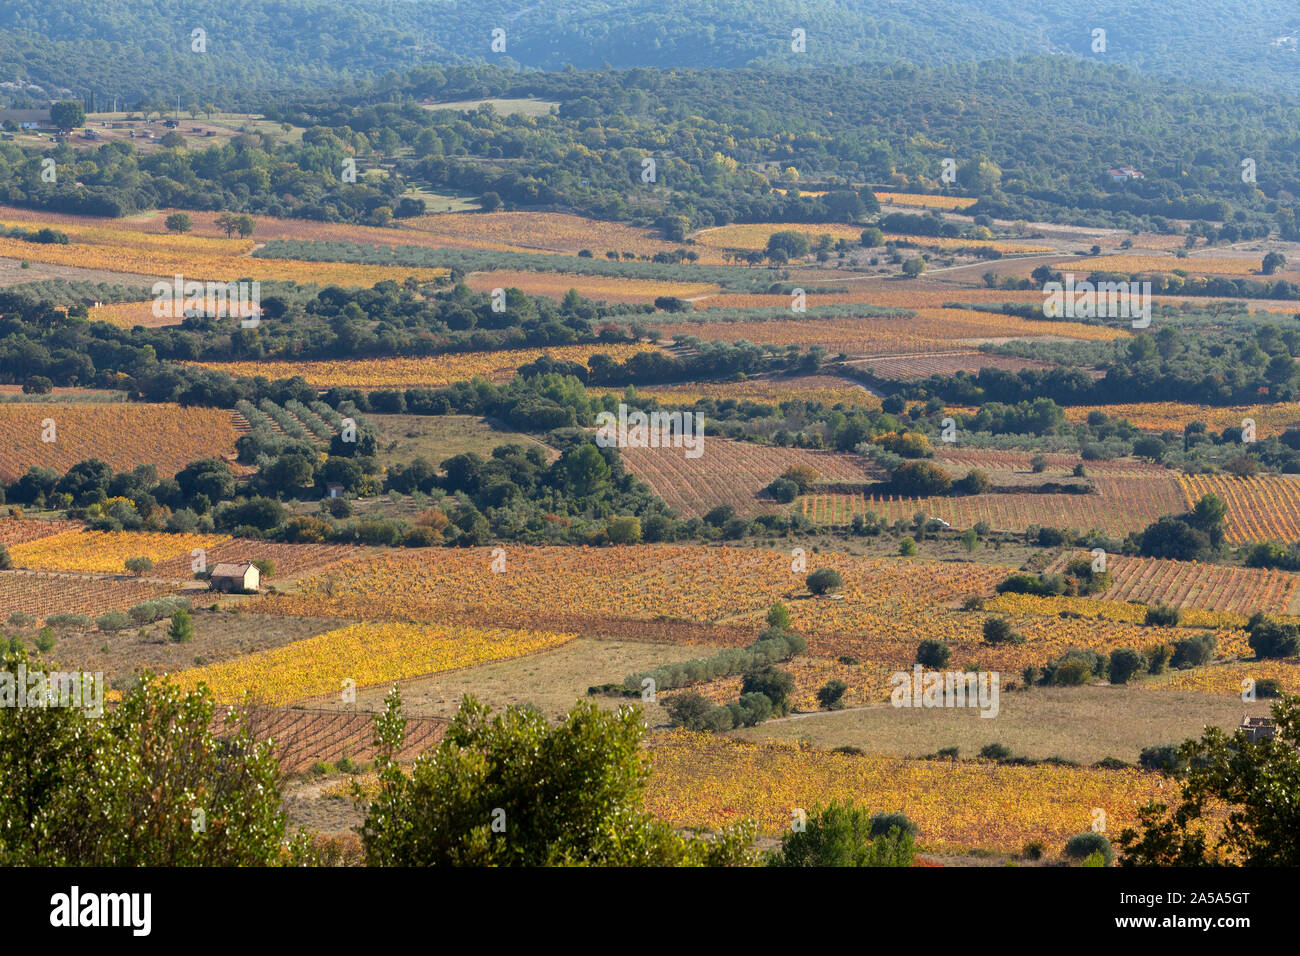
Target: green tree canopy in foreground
point(512, 790)
point(149, 783)
point(1256, 783)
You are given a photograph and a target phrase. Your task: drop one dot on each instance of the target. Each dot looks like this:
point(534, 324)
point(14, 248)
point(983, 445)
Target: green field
point(403, 438)
point(506, 107)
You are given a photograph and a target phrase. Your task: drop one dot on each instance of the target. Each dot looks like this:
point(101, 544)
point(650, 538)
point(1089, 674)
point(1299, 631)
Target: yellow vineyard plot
point(600, 288)
point(204, 258)
point(702, 780)
point(955, 203)
point(365, 653)
point(1230, 679)
point(57, 435)
point(537, 231)
point(1205, 265)
point(433, 371)
point(1103, 610)
point(929, 330)
point(1263, 508)
point(1163, 416)
point(106, 551)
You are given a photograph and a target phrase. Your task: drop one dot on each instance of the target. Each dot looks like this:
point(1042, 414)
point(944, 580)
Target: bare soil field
point(734, 473)
point(218, 635)
point(551, 680)
point(1083, 724)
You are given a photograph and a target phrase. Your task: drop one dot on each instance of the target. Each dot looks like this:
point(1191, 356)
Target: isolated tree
point(139, 566)
point(1124, 663)
point(179, 222)
point(830, 694)
point(1272, 262)
point(933, 653)
point(841, 835)
point(778, 616)
point(792, 243)
point(824, 581)
point(68, 115)
point(182, 628)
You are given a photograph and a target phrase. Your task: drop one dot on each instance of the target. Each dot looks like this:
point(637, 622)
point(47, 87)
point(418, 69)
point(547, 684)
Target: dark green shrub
point(881, 823)
point(1269, 638)
point(1162, 757)
point(933, 653)
point(783, 490)
point(773, 683)
point(842, 835)
point(1194, 651)
point(689, 710)
point(1083, 845)
point(1124, 663)
point(998, 630)
point(830, 694)
point(1160, 615)
point(824, 581)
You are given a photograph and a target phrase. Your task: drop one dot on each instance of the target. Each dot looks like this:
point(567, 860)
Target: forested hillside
point(142, 48)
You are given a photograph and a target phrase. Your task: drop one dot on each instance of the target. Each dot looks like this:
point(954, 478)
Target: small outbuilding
point(334, 490)
point(243, 578)
point(1258, 728)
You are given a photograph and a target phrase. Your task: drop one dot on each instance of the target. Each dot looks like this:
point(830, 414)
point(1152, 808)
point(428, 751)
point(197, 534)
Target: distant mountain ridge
point(142, 48)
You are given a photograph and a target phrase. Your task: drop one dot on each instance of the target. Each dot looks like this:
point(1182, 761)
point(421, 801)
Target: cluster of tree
point(1081, 578)
point(1193, 536)
point(253, 173)
point(1242, 366)
point(1178, 282)
point(125, 789)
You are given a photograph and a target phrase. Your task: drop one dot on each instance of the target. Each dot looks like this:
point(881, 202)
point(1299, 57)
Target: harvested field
point(1121, 505)
point(906, 367)
point(304, 737)
point(218, 636)
point(41, 594)
point(734, 473)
